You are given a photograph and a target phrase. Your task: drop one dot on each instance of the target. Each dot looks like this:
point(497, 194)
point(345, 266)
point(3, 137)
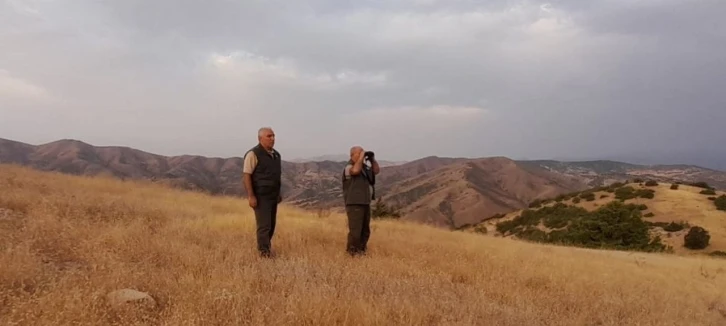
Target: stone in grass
point(121, 298)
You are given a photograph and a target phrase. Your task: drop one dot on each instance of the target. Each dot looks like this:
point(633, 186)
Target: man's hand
point(253, 201)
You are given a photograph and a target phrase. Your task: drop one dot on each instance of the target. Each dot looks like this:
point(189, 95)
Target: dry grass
point(65, 242)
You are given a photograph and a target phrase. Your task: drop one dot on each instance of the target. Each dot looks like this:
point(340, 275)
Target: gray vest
point(357, 189)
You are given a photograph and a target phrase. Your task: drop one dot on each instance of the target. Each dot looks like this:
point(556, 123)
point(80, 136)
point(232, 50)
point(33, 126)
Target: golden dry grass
point(67, 241)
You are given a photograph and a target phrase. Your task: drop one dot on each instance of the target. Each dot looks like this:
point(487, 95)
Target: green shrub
point(671, 226)
point(615, 225)
point(646, 193)
point(628, 192)
point(720, 203)
point(642, 207)
point(674, 186)
point(649, 215)
point(700, 184)
point(707, 192)
point(651, 183)
point(576, 200)
point(675, 227)
point(588, 196)
point(535, 203)
point(481, 228)
point(381, 210)
point(696, 238)
point(637, 180)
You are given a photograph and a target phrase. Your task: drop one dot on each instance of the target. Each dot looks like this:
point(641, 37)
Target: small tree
point(674, 186)
point(707, 192)
point(720, 202)
point(381, 210)
point(651, 183)
point(697, 238)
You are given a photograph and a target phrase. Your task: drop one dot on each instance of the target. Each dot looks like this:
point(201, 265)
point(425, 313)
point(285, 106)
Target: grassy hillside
point(66, 242)
point(644, 216)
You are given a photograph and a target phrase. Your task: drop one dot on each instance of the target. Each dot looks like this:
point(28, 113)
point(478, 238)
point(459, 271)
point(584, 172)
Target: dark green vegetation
point(670, 227)
point(720, 202)
point(700, 185)
point(615, 225)
point(708, 192)
point(382, 210)
point(697, 238)
point(628, 192)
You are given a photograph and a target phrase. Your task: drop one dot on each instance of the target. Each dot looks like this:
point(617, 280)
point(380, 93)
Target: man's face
point(355, 152)
point(267, 139)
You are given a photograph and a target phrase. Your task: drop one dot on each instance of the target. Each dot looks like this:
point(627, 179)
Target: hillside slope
point(67, 242)
point(467, 191)
point(685, 206)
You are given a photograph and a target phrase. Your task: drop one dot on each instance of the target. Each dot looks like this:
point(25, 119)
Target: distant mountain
point(341, 158)
point(440, 191)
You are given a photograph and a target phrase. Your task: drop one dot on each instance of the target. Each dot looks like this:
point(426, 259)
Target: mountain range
point(441, 191)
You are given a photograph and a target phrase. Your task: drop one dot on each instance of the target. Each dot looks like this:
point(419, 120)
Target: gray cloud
point(407, 78)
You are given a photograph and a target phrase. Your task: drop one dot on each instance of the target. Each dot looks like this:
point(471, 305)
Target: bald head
point(266, 137)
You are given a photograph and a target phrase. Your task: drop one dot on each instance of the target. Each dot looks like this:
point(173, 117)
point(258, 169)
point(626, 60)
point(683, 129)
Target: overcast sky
point(406, 78)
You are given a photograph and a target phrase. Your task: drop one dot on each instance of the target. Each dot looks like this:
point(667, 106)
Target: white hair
point(259, 132)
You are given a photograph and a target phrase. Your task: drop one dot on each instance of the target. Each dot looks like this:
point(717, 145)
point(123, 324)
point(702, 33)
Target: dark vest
point(357, 189)
point(266, 178)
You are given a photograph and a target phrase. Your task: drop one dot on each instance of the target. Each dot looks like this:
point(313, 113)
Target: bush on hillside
point(718, 253)
point(615, 225)
point(382, 210)
point(700, 184)
point(650, 214)
point(651, 183)
point(588, 196)
point(720, 203)
point(576, 200)
point(637, 180)
point(604, 196)
point(535, 203)
point(481, 229)
point(670, 227)
point(628, 192)
point(696, 238)
point(712, 198)
point(674, 186)
point(708, 192)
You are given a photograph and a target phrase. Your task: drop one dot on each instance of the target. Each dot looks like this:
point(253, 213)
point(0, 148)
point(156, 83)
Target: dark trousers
point(265, 217)
point(359, 228)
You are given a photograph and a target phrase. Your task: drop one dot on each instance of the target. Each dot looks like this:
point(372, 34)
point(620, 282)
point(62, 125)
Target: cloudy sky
point(407, 78)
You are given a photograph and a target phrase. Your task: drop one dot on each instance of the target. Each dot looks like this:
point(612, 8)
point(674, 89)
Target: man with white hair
point(358, 179)
point(262, 174)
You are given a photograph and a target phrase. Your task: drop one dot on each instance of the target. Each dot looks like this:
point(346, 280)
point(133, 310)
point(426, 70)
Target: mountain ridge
point(443, 191)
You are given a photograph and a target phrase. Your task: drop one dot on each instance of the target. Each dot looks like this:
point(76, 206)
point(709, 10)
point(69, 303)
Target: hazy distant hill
point(436, 190)
point(341, 158)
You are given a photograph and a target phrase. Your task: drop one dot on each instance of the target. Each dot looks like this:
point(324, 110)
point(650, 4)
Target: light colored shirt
point(250, 162)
